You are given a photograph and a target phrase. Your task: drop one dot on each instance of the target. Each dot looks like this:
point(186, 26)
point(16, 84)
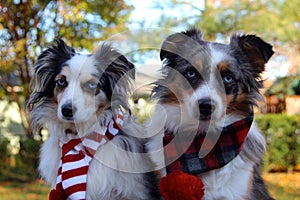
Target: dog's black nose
point(206, 107)
point(68, 111)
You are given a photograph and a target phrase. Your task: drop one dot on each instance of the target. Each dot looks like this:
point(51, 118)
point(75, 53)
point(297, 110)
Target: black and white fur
point(204, 87)
point(74, 93)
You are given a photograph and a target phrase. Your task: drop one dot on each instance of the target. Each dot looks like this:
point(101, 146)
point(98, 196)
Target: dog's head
point(78, 86)
point(211, 79)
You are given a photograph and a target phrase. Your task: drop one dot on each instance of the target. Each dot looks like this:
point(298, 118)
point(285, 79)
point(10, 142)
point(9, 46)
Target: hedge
point(283, 141)
point(26, 161)
point(5, 155)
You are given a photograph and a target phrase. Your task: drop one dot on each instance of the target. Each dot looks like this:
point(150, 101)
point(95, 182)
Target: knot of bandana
point(226, 148)
point(74, 163)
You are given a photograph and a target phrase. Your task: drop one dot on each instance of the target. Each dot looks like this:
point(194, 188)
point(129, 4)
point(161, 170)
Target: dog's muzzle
point(68, 111)
point(206, 108)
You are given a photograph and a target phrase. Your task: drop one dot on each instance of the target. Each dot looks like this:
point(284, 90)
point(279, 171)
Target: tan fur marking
point(223, 66)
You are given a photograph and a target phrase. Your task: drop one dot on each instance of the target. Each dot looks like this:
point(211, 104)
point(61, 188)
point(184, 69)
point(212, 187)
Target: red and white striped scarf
point(76, 156)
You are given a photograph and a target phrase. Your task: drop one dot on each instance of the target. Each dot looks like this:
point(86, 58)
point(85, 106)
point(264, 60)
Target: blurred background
point(137, 29)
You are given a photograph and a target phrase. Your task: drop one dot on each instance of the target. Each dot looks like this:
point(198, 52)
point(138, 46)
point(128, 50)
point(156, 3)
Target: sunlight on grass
point(283, 186)
point(22, 191)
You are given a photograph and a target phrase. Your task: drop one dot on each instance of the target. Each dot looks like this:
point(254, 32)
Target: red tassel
point(181, 186)
point(57, 195)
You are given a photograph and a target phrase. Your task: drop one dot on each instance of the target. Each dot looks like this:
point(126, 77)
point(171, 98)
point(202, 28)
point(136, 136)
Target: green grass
point(282, 186)
point(36, 190)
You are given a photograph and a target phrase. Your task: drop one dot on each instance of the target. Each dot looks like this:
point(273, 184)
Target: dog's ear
point(55, 55)
point(258, 51)
point(114, 62)
point(181, 44)
point(47, 66)
point(49, 63)
point(122, 62)
point(116, 70)
point(169, 46)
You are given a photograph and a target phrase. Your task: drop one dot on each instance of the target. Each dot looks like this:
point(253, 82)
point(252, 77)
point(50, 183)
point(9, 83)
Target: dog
point(206, 87)
point(75, 95)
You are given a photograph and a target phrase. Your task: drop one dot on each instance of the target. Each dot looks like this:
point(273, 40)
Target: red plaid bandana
point(74, 164)
point(227, 147)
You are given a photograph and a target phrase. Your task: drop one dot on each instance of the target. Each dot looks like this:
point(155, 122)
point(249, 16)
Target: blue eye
point(61, 82)
point(228, 79)
point(91, 85)
point(191, 74)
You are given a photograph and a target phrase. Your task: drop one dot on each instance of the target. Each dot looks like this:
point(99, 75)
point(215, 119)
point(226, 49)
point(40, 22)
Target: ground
point(282, 186)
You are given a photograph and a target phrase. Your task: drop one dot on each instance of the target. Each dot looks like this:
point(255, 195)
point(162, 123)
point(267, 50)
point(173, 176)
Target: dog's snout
point(206, 107)
point(68, 110)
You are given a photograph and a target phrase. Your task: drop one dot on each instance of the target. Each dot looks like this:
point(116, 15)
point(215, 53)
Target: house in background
point(284, 96)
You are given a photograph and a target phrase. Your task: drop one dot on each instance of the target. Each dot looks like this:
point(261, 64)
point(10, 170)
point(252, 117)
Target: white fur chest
point(230, 182)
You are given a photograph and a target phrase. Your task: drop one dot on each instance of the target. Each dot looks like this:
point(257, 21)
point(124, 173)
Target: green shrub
point(27, 159)
point(29, 152)
point(4, 155)
point(26, 162)
point(283, 142)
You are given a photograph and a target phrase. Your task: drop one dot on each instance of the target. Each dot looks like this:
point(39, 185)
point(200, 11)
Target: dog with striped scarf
point(94, 149)
point(204, 114)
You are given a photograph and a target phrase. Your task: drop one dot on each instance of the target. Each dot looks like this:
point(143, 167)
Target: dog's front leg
point(49, 160)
